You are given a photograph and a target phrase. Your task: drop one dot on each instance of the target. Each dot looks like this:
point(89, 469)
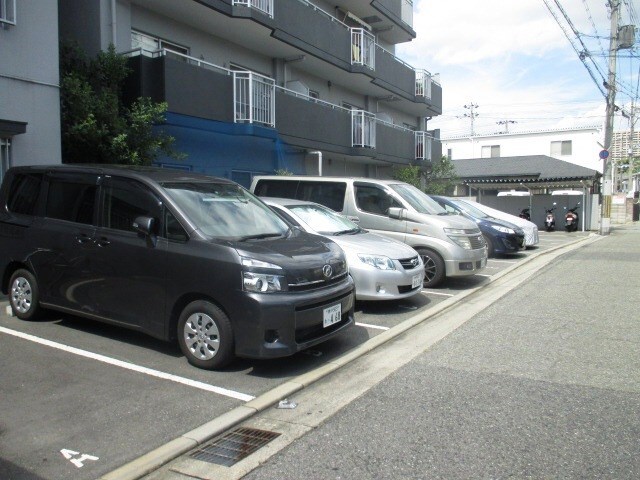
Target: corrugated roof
point(532, 168)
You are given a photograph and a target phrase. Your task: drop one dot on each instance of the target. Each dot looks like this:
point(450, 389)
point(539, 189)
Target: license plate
point(332, 315)
point(416, 281)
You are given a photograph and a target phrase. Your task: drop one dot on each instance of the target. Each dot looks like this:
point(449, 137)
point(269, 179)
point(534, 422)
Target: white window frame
point(490, 149)
point(561, 144)
point(8, 12)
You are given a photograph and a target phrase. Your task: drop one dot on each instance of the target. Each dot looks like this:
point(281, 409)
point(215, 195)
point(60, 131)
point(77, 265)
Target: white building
point(580, 145)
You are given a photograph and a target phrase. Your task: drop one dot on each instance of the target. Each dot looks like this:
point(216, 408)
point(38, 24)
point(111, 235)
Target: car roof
point(327, 179)
point(155, 174)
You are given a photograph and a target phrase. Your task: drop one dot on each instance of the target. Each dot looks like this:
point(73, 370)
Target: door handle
point(103, 242)
point(83, 238)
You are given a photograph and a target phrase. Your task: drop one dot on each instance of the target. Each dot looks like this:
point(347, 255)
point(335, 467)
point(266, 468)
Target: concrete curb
point(162, 455)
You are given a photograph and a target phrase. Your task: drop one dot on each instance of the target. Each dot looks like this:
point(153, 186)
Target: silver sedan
point(382, 268)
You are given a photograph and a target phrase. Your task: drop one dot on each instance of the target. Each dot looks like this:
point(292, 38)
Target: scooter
point(571, 219)
point(550, 219)
point(524, 213)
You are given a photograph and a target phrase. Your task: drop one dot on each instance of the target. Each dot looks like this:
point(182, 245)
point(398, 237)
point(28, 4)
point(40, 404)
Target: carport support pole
point(607, 187)
point(319, 154)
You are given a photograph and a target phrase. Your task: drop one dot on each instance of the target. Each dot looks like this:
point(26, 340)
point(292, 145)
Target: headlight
point(455, 231)
point(502, 229)
point(458, 236)
point(378, 261)
point(261, 282)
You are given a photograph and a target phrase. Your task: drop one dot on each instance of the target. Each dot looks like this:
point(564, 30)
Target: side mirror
point(397, 213)
point(144, 225)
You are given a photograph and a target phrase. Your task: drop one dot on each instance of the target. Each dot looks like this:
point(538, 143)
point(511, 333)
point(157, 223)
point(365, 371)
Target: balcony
point(363, 48)
point(264, 6)
point(245, 97)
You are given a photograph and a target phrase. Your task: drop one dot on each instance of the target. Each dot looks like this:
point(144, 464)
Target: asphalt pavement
point(542, 383)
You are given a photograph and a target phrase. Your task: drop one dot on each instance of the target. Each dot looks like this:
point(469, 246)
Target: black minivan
point(174, 254)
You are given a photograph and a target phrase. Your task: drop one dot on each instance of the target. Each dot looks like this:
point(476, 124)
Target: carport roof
point(535, 170)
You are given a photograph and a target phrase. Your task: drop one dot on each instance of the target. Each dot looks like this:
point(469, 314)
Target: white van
point(450, 245)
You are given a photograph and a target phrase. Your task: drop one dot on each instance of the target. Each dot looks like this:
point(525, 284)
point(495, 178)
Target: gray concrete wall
point(29, 82)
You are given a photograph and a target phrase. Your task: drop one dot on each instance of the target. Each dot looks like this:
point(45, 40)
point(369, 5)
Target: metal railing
point(363, 129)
point(423, 84)
point(423, 145)
point(8, 12)
point(253, 98)
point(406, 12)
point(265, 6)
point(363, 48)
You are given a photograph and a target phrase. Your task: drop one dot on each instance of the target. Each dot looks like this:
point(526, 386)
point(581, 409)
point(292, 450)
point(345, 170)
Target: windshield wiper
point(260, 236)
point(351, 231)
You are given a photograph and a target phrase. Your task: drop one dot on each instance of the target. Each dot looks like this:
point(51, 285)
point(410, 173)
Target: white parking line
point(129, 366)
point(431, 292)
point(483, 275)
point(503, 261)
point(366, 325)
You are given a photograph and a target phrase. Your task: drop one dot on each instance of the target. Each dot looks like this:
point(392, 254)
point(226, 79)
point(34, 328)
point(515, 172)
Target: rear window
point(24, 192)
point(329, 194)
point(276, 188)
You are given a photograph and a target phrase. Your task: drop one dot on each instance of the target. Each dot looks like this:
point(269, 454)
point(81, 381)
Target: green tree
point(439, 179)
point(97, 126)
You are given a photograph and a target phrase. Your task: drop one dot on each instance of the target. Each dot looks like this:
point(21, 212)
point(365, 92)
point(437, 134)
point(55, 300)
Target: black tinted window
point(71, 199)
point(24, 192)
point(124, 200)
point(276, 188)
point(329, 194)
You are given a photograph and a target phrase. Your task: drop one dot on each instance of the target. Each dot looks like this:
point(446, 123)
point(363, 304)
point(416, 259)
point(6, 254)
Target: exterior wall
point(29, 82)
point(585, 147)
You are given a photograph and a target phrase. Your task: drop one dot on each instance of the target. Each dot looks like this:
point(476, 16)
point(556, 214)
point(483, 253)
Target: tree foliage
point(97, 126)
point(437, 180)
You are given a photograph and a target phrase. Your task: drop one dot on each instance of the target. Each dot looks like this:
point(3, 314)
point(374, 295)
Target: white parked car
point(382, 268)
point(530, 229)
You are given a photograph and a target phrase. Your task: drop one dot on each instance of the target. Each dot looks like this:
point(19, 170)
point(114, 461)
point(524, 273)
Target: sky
point(512, 59)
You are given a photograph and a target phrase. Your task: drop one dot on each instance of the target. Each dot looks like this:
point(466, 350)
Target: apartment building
point(257, 86)
point(29, 84)
point(580, 145)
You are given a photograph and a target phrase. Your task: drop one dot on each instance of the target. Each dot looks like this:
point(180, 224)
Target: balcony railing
point(265, 6)
point(363, 129)
point(423, 146)
point(423, 84)
point(363, 48)
point(253, 98)
point(406, 12)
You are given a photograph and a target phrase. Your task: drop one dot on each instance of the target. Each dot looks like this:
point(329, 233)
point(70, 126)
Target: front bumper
point(468, 263)
point(374, 284)
point(279, 325)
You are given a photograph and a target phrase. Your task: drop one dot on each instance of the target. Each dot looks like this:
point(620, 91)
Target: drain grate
point(233, 446)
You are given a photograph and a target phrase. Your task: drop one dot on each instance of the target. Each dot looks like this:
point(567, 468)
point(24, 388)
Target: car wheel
point(205, 335)
point(433, 267)
point(24, 295)
point(491, 249)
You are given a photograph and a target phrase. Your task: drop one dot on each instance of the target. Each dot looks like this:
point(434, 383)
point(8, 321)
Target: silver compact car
point(382, 268)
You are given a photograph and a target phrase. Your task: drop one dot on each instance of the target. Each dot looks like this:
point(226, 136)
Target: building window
point(561, 148)
point(5, 156)
point(449, 153)
point(152, 44)
point(491, 151)
point(8, 12)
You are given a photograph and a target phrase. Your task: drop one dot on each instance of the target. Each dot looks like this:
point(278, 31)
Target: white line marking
point(504, 261)
point(483, 275)
point(366, 325)
point(431, 292)
point(130, 366)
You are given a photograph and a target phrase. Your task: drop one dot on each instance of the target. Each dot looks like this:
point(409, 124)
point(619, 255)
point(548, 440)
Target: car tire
point(205, 335)
point(491, 249)
point(24, 295)
point(434, 270)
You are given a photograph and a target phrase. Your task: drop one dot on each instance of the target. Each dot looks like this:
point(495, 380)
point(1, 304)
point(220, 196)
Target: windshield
point(419, 200)
point(226, 211)
point(324, 220)
point(470, 209)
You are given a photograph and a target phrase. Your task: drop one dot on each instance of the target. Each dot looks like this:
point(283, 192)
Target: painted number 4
point(79, 461)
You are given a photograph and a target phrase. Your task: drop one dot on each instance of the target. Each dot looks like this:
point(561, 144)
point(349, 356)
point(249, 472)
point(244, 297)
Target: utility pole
point(472, 115)
point(605, 212)
point(506, 124)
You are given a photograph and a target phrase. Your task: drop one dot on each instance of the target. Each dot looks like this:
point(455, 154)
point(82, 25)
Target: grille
point(406, 288)
point(476, 242)
point(409, 263)
point(233, 446)
point(302, 287)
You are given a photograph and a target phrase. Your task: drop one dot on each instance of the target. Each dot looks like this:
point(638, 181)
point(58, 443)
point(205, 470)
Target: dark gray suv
point(176, 255)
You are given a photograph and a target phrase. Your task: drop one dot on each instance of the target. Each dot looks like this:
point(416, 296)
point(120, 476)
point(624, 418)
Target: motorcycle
point(571, 219)
point(550, 219)
point(524, 213)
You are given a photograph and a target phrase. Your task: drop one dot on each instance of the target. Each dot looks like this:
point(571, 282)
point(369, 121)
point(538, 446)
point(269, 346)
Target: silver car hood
point(371, 243)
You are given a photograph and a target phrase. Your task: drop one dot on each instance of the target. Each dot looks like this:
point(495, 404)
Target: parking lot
point(79, 398)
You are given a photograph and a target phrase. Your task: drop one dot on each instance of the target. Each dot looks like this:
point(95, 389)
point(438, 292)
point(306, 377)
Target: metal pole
point(605, 213)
